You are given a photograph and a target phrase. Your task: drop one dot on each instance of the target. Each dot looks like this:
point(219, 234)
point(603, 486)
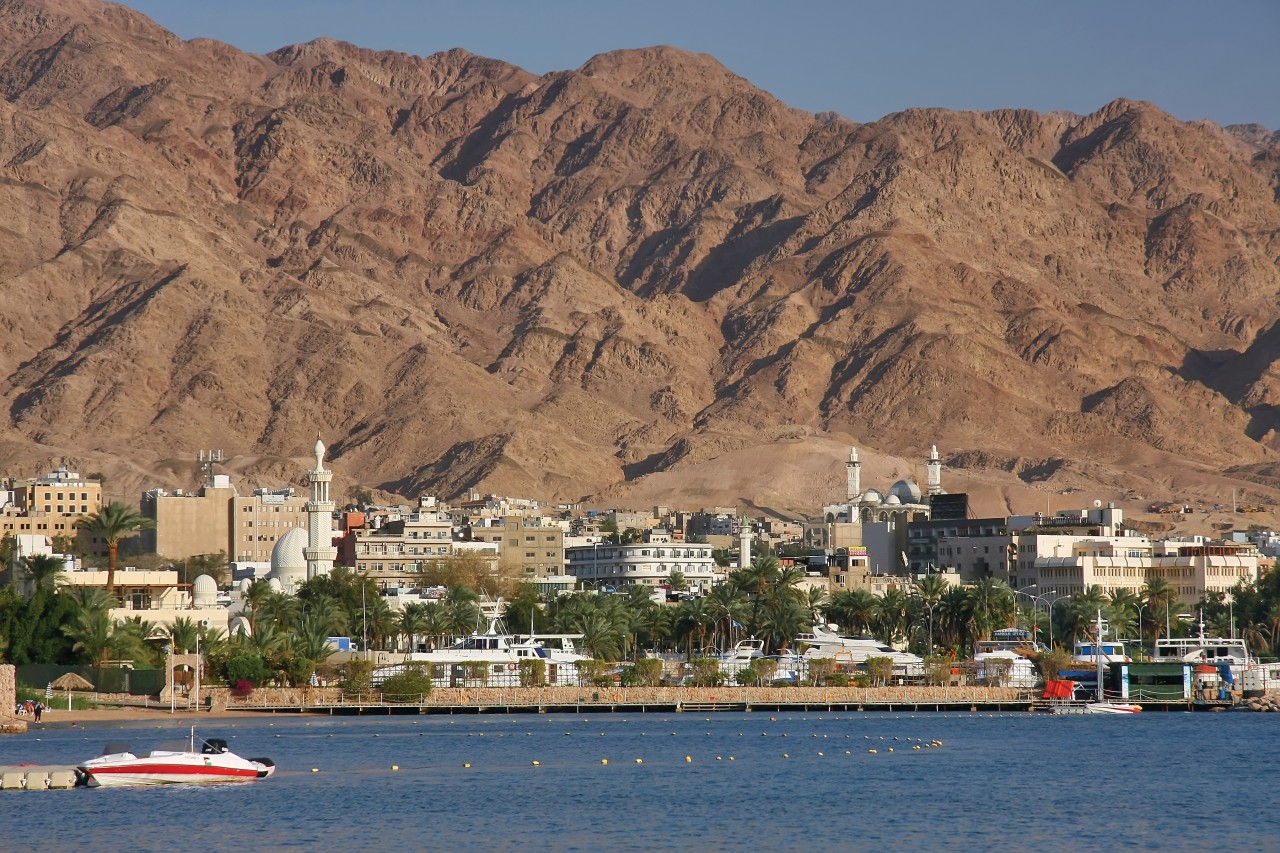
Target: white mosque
point(300, 555)
point(903, 501)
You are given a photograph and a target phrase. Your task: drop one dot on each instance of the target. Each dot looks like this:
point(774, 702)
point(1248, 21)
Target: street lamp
point(1051, 604)
point(1023, 591)
point(1141, 607)
point(1046, 595)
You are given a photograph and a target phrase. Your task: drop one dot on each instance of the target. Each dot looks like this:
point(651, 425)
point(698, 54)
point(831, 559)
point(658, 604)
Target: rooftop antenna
point(207, 459)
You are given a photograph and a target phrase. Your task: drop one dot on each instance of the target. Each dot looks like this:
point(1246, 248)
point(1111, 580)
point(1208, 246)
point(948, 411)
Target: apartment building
point(642, 563)
point(532, 546)
point(50, 506)
point(395, 551)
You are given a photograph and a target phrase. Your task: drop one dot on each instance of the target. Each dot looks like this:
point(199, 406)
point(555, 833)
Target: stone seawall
point(474, 697)
point(9, 722)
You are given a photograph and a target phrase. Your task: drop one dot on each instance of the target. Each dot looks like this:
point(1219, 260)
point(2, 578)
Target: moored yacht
point(824, 642)
point(1007, 649)
point(500, 654)
point(1210, 651)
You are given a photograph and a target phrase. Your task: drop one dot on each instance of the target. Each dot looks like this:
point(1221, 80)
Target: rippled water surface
point(803, 782)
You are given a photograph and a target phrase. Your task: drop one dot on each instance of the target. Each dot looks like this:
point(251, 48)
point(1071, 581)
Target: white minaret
point(854, 469)
point(319, 552)
point(744, 542)
point(935, 472)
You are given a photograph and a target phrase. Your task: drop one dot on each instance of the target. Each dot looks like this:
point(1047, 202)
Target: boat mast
point(1097, 656)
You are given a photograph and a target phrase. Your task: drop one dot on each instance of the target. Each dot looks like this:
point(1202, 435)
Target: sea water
point(701, 782)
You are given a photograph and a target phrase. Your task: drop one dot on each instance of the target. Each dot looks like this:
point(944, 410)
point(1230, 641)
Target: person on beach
point(39, 710)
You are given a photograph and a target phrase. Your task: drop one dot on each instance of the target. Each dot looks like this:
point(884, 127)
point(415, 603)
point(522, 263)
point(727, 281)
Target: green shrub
point(937, 671)
point(706, 672)
point(595, 673)
point(533, 672)
point(644, 673)
point(880, 670)
point(409, 685)
point(356, 677)
point(838, 679)
point(247, 666)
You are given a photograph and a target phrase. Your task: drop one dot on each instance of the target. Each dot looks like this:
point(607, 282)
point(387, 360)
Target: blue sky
point(1215, 59)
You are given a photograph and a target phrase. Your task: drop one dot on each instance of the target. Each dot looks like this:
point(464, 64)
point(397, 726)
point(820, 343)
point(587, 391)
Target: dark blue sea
point(719, 782)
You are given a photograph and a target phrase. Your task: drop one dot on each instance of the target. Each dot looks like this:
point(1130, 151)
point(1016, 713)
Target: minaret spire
point(319, 552)
point(854, 470)
point(934, 466)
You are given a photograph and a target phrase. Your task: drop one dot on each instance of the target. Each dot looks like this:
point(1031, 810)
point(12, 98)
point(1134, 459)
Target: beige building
point(1068, 565)
point(155, 596)
point(217, 518)
point(50, 506)
point(397, 550)
point(534, 547)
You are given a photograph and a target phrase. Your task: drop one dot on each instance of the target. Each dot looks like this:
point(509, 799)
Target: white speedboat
point(1111, 708)
point(197, 761)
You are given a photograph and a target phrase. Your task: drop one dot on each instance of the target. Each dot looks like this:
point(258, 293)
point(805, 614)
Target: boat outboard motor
point(214, 746)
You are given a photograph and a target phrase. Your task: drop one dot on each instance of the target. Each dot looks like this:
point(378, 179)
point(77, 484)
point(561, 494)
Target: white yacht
point(1011, 646)
point(1200, 649)
point(501, 653)
point(824, 642)
point(740, 657)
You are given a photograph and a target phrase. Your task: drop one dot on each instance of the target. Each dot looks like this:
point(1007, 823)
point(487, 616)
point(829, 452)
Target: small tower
point(854, 470)
point(744, 542)
point(935, 472)
point(319, 552)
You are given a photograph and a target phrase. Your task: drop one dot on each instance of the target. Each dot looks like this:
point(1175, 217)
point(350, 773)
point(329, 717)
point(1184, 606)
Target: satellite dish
point(1097, 504)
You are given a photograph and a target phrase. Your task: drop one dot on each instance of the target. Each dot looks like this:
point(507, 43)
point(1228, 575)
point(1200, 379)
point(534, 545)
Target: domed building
point(204, 592)
point(289, 560)
point(874, 522)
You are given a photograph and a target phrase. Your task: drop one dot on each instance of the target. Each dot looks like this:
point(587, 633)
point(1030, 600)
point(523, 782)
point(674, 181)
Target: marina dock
point(37, 778)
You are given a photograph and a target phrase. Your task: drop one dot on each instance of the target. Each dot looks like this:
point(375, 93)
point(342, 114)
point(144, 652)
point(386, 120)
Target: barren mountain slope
point(644, 279)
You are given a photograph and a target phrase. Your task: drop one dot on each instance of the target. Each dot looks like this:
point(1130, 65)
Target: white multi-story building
point(641, 563)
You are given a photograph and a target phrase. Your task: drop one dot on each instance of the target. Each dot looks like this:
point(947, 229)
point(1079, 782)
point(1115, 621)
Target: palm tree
point(255, 597)
point(992, 602)
point(853, 610)
point(114, 522)
point(891, 617)
point(1160, 596)
point(693, 618)
point(413, 622)
point(183, 635)
point(91, 631)
point(42, 570)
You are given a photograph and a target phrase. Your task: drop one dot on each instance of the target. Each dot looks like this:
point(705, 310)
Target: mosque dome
point(275, 584)
point(893, 500)
point(871, 496)
point(289, 559)
point(204, 591)
point(906, 491)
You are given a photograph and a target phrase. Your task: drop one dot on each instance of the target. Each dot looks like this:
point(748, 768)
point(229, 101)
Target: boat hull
point(173, 769)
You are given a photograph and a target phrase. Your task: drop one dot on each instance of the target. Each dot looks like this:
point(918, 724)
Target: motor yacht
point(824, 642)
point(501, 653)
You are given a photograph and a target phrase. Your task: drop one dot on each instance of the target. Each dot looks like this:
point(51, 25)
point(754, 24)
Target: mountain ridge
point(631, 281)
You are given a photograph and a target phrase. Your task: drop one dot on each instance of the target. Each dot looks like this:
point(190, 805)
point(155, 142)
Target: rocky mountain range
point(644, 280)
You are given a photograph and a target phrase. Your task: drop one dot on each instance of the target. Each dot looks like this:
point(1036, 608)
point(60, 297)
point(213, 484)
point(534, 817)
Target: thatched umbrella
point(71, 681)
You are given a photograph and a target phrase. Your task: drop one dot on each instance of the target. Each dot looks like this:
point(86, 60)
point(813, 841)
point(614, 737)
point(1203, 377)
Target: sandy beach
point(58, 718)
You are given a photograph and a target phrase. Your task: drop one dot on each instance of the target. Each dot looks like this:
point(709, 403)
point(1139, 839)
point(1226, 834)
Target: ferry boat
point(501, 653)
point(824, 642)
point(197, 761)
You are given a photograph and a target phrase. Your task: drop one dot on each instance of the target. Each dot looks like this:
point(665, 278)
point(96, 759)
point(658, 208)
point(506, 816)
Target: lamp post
point(168, 679)
point(1023, 591)
point(198, 668)
point(1046, 595)
point(1141, 607)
